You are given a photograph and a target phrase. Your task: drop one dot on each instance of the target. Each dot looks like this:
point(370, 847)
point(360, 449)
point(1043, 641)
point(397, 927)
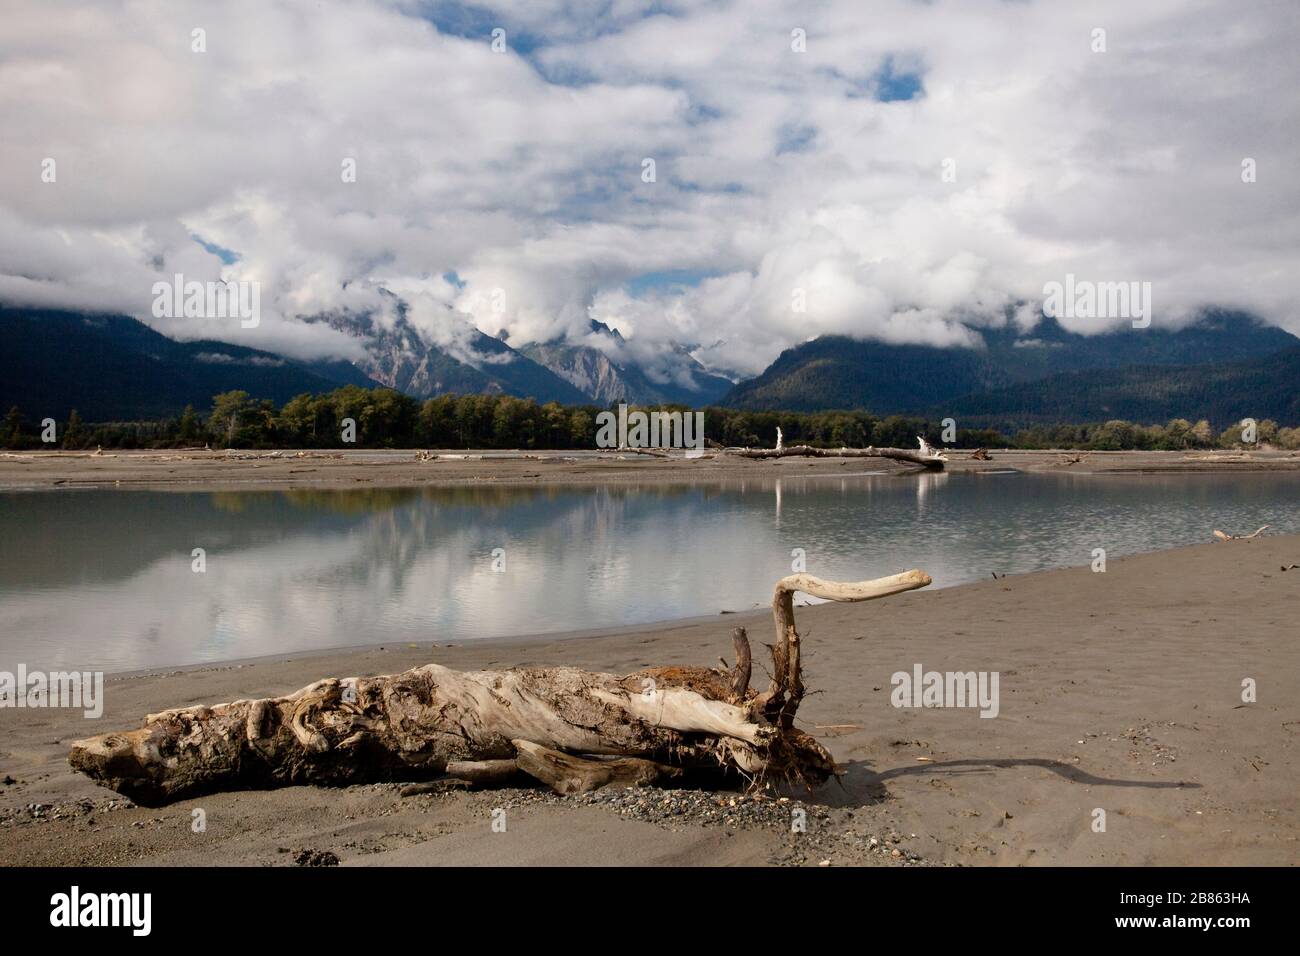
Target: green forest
point(383, 418)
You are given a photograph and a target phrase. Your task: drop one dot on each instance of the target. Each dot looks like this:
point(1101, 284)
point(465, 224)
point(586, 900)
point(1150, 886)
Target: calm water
point(102, 580)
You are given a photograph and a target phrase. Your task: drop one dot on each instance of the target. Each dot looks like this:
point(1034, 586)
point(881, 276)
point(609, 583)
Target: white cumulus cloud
point(793, 195)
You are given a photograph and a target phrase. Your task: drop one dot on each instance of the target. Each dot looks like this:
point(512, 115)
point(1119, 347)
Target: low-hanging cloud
point(794, 193)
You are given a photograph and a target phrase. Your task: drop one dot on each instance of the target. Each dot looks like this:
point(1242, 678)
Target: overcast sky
point(775, 170)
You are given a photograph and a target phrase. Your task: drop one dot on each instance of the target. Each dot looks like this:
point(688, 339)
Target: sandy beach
point(1119, 691)
point(201, 470)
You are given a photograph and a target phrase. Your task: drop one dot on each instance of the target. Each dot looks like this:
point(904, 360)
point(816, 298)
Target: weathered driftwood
point(927, 455)
point(483, 773)
point(565, 773)
point(560, 725)
point(1224, 536)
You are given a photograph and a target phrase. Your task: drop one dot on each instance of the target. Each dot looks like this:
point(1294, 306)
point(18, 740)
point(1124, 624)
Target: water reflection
point(103, 579)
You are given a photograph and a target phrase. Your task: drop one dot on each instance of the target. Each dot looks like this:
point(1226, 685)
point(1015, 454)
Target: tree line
point(384, 418)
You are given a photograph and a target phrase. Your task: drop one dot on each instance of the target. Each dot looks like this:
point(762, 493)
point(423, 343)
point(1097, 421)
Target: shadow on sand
point(859, 785)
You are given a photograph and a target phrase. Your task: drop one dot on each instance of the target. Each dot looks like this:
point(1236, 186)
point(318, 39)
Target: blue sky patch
point(477, 23)
point(667, 279)
point(893, 84)
point(227, 256)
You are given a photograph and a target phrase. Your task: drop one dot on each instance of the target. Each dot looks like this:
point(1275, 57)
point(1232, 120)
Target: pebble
point(310, 857)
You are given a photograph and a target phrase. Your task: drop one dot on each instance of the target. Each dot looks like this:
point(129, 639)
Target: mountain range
point(836, 372)
point(114, 368)
point(1226, 366)
point(1222, 392)
point(399, 357)
point(677, 377)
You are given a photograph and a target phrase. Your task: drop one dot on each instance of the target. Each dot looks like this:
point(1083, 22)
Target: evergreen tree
point(188, 427)
point(73, 434)
point(12, 434)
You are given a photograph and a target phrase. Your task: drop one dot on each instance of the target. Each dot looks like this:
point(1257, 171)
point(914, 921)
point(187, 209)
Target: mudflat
point(1119, 692)
point(204, 470)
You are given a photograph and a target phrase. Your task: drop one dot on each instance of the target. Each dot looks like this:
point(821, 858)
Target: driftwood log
point(571, 729)
point(926, 456)
point(1224, 536)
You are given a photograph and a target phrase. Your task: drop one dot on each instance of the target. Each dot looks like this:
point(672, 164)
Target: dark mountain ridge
point(1226, 367)
point(114, 368)
point(840, 372)
point(1220, 392)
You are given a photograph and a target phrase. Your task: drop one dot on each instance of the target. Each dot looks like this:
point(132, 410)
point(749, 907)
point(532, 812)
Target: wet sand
point(1119, 691)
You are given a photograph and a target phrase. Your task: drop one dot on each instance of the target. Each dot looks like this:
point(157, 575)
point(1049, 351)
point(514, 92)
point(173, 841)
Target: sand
point(196, 471)
point(1119, 691)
